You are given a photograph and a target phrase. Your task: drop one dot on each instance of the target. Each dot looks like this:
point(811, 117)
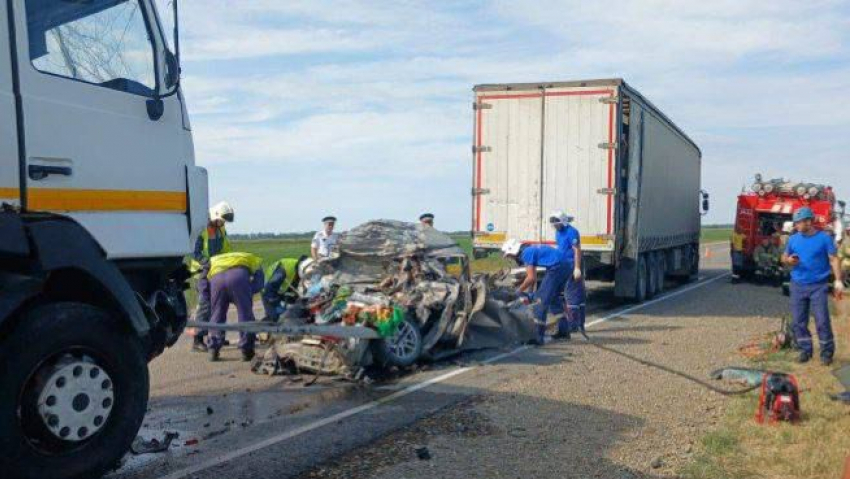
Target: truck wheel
point(661, 263)
point(641, 280)
point(652, 272)
point(401, 350)
point(694, 270)
point(73, 393)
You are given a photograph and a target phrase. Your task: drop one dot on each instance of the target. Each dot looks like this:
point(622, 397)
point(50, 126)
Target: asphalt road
point(628, 404)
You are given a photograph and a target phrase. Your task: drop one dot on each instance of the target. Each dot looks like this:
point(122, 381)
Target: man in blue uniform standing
point(811, 254)
point(568, 241)
point(547, 296)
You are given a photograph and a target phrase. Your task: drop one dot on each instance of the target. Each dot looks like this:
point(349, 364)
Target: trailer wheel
point(73, 393)
point(652, 273)
point(403, 349)
point(641, 280)
point(661, 263)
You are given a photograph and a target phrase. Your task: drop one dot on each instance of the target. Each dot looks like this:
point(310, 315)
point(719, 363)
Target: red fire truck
point(762, 212)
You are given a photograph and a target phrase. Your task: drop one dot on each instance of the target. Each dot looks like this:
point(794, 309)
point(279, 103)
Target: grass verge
point(815, 448)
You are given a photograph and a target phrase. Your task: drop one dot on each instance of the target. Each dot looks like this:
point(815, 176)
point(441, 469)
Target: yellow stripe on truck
point(76, 200)
point(9, 193)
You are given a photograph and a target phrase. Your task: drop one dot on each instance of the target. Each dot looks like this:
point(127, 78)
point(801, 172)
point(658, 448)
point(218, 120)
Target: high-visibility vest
point(225, 261)
point(226, 247)
point(737, 242)
point(290, 267)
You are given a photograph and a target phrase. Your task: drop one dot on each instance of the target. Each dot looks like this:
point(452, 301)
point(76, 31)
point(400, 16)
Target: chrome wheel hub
point(403, 344)
point(76, 399)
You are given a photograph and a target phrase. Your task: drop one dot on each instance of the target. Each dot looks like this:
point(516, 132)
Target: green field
point(714, 235)
point(271, 250)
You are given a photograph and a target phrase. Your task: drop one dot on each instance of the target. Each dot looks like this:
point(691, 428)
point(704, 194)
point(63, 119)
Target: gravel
point(631, 404)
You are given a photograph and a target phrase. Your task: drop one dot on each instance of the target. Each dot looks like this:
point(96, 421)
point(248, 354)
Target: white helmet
point(557, 217)
point(222, 211)
point(511, 247)
point(788, 227)
point(305, 268)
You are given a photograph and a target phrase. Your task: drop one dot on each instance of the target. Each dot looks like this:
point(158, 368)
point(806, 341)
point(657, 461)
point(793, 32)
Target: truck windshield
point(104, 42)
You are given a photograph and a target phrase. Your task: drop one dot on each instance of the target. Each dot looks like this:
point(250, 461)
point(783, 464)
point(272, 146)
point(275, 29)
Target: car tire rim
point(74, 397)
point(403, 344)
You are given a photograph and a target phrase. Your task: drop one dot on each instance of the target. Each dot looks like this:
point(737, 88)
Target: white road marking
point(665, 297)
point(222, 459)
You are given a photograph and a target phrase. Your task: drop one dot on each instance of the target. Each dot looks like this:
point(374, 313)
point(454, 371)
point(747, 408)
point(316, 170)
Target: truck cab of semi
point(100, 200)
point(762, 212)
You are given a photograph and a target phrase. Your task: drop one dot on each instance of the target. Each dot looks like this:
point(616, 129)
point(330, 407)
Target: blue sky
point(362, 109)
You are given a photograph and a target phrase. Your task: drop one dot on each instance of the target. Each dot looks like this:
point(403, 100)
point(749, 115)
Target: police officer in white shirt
point(324, 241)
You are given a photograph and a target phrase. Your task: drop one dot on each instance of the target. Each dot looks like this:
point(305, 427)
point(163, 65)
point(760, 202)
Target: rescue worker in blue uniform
point(211, 242)
point(568, 240)
point(812, 256)
point(548, 294)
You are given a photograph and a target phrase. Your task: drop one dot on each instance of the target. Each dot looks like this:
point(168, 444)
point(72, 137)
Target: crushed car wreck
point(393, 294)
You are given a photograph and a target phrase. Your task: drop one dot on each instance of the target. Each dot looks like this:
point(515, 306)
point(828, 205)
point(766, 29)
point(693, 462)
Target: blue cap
point(804, 213)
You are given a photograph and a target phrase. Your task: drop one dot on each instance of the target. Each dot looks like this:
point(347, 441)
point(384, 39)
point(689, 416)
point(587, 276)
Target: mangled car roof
point(389, 239)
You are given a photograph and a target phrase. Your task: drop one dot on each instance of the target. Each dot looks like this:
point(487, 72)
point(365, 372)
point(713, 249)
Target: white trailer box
point(604, 154)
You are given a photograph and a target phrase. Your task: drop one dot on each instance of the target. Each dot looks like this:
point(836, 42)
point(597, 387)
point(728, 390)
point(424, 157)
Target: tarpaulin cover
point(495, 324)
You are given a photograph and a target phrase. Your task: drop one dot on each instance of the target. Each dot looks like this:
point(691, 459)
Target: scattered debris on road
point(152, 446)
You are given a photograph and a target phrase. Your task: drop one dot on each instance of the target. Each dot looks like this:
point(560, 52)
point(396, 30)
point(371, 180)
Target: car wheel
point(73, 393)
point(401, 350)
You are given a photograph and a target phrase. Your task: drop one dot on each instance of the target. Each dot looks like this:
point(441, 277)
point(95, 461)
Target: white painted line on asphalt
point(665, 297)
point(222, 459)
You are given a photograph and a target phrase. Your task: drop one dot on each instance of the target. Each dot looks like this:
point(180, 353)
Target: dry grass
point(816, 448)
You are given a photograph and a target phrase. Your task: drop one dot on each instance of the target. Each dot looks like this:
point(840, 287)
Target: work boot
point(215, 355)
point(826, 360)
point(247, 355)
point(804, 357)
point(198, 345)
point(562, 336)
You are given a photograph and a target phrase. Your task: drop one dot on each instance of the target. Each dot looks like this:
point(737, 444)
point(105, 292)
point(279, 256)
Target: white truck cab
point(100, 200)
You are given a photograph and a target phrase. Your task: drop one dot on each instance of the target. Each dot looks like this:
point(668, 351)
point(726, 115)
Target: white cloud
point(370, 94)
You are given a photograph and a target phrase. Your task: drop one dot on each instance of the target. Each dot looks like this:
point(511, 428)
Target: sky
point(363, 109)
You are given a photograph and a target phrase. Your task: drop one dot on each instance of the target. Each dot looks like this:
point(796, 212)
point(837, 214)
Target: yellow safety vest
point(226, 247)
point(290, 267)
point(225, 261)
point(737, 242)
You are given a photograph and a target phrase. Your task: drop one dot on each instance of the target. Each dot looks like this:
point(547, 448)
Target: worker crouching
point(234, 279)
point(283, 278)
point(548, 296)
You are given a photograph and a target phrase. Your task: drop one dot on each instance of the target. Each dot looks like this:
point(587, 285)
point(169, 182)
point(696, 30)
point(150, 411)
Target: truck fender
point(53, 238)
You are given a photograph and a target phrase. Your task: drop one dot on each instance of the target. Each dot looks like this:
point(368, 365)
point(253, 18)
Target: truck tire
point(694, 270)
point(661, 264)
point(73, 393)
point(641, 280)
point(652, 272)
point(401, 350)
